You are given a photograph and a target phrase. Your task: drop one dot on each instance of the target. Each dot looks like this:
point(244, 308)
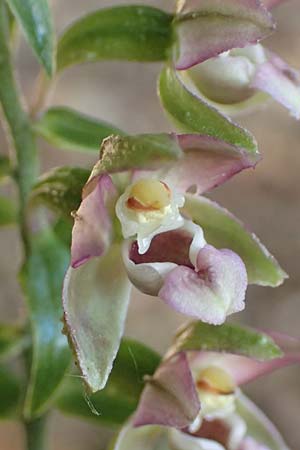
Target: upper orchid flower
point(206, 28)
point(196, 392)
point(168, 240)
point(242, 78)
point(221, 62)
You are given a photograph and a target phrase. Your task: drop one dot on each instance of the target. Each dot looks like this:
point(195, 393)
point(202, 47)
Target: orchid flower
point(207, 28)
point(227, 68)
point(195, 390)
point(240, 79)
point(142, 225)
point(248, 429)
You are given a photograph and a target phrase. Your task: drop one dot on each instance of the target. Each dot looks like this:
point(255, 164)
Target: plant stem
point(35, 434)
point(24, 153)
point(17, 124)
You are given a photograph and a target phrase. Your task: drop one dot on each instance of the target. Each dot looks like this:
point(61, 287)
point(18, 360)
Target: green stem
point(35, 434)
point(18, 124)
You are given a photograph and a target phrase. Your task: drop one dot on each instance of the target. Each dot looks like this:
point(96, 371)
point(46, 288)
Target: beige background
point(267, 200)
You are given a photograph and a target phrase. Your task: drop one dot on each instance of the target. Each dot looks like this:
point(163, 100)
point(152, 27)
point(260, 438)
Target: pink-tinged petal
point(95, 302)
point(206, 28)
point(280, 81)
point(92, 228)
point(269, 4)
point(167, 250)
point(244, 369)
point(261, 432)
point(207, 163)
point(215, 291)
point(170, 397)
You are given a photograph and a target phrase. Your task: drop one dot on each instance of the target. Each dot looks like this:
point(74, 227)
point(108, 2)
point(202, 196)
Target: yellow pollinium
point(149, 195)
point(216, 380)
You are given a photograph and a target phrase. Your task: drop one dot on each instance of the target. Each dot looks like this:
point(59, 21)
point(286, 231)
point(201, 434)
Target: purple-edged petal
point(92, 228)
point(215, 291)
point(207, 163)
point(95, 301)
point(206, 28)
point(244, 369)
point(167, 251)
point(170, 397)
point(280, 81)
point(261, 432)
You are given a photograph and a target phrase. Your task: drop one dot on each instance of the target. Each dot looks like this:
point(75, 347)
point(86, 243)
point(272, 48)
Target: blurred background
point(267, 200)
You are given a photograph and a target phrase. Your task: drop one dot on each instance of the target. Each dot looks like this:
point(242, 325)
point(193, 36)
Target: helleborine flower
point(206, 28)
point(241, 79)
point(250, 429)
point(141, 225)
point(193, 385)
point(196, 387)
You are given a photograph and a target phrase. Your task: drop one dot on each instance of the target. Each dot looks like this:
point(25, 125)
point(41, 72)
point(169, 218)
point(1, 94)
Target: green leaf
point(229, 337)
point(192, 115)
point(60, 189)
point(8, 212)
point(12, 340)
point(119, 399)
point(144, 151)
point(132, 33)
point(95, 302)
point(223, 230)
point(63, 230)
point(5, 168)
point(9, 393)
point(41, 279)
point(70, 130)
point(35, 19)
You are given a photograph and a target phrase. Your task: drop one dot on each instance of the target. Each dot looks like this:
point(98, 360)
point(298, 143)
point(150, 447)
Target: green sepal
point(192, 115)
point(229, 338)
point(144, 151)
point(223, 230)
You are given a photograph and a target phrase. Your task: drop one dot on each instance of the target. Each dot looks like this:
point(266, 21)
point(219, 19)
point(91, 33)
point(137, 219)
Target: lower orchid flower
point(240, 79)
point(141, 225)
point(193, 400)
point(248, 429)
